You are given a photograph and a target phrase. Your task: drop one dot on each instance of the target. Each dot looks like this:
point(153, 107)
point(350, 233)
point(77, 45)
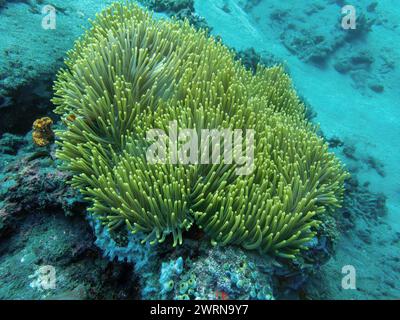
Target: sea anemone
point(131, 73)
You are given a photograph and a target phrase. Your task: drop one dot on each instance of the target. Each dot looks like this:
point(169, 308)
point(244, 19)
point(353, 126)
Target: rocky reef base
point(43, 222)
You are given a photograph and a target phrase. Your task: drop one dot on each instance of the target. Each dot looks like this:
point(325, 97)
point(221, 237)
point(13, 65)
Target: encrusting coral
point(131, 73)
point(42, 133)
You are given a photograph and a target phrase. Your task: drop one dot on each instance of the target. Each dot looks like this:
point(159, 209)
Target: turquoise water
point(350, 79)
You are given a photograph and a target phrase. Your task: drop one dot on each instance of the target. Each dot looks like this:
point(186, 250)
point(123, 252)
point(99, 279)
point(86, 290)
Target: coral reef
point(365, 70)
point(361, 203)
point(29, 182)
point(309, 44)
point(35, 232)
point(197, 270)
point(31, 211)
point(10, 144)
point(315, 35)
point(170, 6)
point(43, 220)
point(251, 59)
point(320, 41)
point(358, 60)
point(66, 244)
point(105, 147)
point(180, 9)
point(227, 274)
point(194, 19)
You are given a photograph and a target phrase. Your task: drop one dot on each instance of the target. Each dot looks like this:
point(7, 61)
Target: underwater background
point(348, 80)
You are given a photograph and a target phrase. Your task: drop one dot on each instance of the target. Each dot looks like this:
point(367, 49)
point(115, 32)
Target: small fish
point(71, 117)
